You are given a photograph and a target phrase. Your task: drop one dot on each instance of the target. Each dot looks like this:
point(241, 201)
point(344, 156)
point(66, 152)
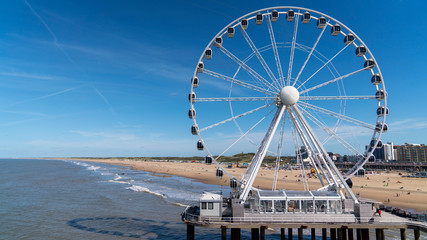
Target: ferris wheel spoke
point(333, 80)
point(259, 56)
point(276, 53)
point(331, 132)
point(234, 99)
point(309, 55)
point(248, 69)
point(242, 136)
point(337, 115)
point(326, 63)
point(235, 117)
point(336, 97)
point(239, 82)
point(291, 59)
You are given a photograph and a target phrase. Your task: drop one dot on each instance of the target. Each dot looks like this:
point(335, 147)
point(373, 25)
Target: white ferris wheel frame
point(266, 12)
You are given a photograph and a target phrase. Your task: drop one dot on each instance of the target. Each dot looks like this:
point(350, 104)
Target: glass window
point(335, 206)
point(210, 205)
point(293, 206)
point(266, 205)
point(280, 206)
point(203, 205)
point(307, 205)
point(321, 205)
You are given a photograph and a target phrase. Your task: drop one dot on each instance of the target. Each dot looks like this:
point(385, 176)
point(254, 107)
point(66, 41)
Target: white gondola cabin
point(380, 126)
point(376, 79)
point(192, 113)
point(321, 22)
point(194, 130)
point(348, 39)
point(195, 82)
point(219, 173)
point(230, 32)
point(369, 64)
point(200, 67)
point(233, 183)
point(218, 42)
point(244, 24)
point(192, 97)
point(258, 19)
point(305, 18)
point(208, 160)
point(335, 30)
point(382, 111)
point(208, 53)
point(274, 15)
point(380, 95)
point(200, 145)
point(290, 15)
point(360, 51)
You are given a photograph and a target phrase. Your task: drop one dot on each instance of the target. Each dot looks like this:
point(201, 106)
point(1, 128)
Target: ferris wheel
point(288, 81)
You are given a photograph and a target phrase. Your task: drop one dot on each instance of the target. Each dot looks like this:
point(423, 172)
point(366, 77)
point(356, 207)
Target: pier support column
point(417, 233)
point(255, 233)
point(300, 235)
point(343, 233)
point(282, 234)
point(403, 233)
point(313, 234)
point(333, 234)
point(350, 234)
point(190, 232)
point(223, 233)
point(359, 234)
point(324, 234)
point(290, 236)
point(339, 233)
point(379, 233)
point(262, 232)
point(365, 234)
point(235, 234)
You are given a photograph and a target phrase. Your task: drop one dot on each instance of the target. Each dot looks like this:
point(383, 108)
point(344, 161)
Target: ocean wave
point(181, 205)
point(136, 188)
point(115, 181)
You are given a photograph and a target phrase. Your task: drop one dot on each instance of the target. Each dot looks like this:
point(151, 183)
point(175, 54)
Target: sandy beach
point(390, 188)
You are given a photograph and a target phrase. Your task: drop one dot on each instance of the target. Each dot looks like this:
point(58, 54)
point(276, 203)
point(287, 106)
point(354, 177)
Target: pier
point(337, 230)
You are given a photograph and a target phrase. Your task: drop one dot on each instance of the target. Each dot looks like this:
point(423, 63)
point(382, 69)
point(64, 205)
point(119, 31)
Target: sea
point(65, 199)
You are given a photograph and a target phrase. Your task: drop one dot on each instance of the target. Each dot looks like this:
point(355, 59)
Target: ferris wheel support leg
point(250, 174)
point(328, 162)
point(306, 144)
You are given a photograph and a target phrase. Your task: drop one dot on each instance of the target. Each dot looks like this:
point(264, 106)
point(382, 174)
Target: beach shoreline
point(391, 188)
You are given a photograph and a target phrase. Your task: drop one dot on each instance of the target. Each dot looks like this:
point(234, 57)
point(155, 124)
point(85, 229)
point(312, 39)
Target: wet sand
point(389, 188)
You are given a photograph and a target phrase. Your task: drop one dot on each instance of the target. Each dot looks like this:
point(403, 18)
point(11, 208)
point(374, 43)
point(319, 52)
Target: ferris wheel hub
point(289, 95)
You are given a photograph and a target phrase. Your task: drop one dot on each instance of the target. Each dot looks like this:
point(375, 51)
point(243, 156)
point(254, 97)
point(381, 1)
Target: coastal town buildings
point(411, 152)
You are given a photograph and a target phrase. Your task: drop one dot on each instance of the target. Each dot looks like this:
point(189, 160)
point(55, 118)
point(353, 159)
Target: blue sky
point(111, 78)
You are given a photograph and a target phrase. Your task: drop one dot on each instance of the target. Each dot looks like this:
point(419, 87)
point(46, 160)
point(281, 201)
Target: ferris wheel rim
point(380, 119)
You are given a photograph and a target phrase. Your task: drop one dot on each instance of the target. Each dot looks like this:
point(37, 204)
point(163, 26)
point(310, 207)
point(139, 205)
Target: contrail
point(55, 39)
point(105, 100)
point(45, 96)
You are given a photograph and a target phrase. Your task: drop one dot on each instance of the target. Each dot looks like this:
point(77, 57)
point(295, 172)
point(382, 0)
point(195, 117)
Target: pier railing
point(295, 218)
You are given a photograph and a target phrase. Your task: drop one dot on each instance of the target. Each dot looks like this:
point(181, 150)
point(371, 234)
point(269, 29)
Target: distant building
point(334, 156)
point(385, 153)
point(411, 152)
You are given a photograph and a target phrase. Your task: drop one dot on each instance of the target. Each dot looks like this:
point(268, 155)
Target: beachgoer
point(379, 212)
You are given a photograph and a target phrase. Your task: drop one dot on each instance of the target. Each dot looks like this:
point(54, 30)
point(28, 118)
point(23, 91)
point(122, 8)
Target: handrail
point(294, 218)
